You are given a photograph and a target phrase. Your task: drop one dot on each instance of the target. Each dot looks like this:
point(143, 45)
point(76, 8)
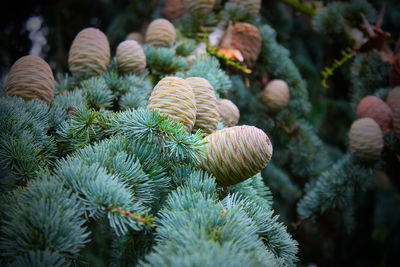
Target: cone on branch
point(206, 103)
point(228, 112)
point(130, 57)
point(89, 54)
point(244, 37)
point(237, 153)
point(31, 77)
point(135, 36)
point(173, 9)
point(276, 95)
point(174, 97)
point(198, 6)
point(376, 109)
point(366, 140)
point(160, 33)
point(252, 7)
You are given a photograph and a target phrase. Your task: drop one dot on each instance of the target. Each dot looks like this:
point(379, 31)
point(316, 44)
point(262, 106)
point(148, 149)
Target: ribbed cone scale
point(244, 37)
point(173, 9)
point(376, 109)
point(252, 7)
point(235, 154)
point(135, 36)
point(130, 57)
point(174, 97)
point(393, 97)
point(276, 95)
point(160, 32)
point(228, 112)
point(206, 102)
point(198, 6)
point(89, 54)
point(31, 77)
point(366, 139)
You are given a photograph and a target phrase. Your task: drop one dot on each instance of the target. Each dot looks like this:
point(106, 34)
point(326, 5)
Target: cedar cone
point(235, 154)
point(198, 6)
point(31, 77)
point(276, 95)
point(206, 103)
point(366, 139)
point(174, 97)
point(89, 54)
point(130, 57)
point(228, 112)
point(244, 37)
point(252, 7)
point(393, 97)
point(173, 9)
point(135, 36)
point(160, 32)
point(376, 109)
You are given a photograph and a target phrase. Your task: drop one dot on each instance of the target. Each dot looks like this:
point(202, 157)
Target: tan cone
point(130, 57)
point(174, 97)
point(198, 6)
point(89, 54)
point(160, 33)
point(236, 154)
point(206, 103)
point(228, 112)
point(252, 7)
point(31, 77)
point(366, 139)
point(276, 95)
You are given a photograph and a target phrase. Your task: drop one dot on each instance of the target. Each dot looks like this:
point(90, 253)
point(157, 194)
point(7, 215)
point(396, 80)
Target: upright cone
point(199, 6)
point(244, 37)
point(31, 77)
point(366, 139)
point(252, 7)
point(206, 103)
point(237, 153)
point(160, 32)
point(228, 112)
point(174, 97)
point(89, 54)
point(130, 57)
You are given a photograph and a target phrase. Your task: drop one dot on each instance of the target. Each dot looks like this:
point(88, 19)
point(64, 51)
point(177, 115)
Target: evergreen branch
point(311, 11)
point(146, 221)
point(328, 71)
point(228, 61)
point(334, 187)
point(42, 224)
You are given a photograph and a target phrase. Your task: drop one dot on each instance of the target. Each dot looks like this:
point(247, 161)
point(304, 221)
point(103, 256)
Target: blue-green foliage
point(208, 67)
point(334, 187)
point(242, 225)
point(163, 61)
point(25, 146)
point(42, 225)
point(335, 17)
point(368, 74)
point(136, 91)
point(97, 93)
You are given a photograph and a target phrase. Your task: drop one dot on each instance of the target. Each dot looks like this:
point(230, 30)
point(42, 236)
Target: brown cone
point(376, 109)
point(31, 77)
point(244, 37)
